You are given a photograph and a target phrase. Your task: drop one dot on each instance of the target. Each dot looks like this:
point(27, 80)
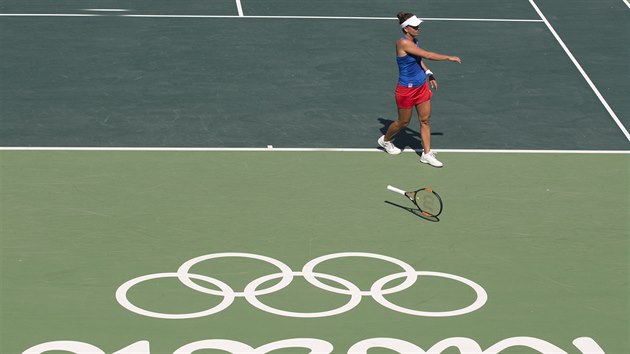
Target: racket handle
point(397, 190)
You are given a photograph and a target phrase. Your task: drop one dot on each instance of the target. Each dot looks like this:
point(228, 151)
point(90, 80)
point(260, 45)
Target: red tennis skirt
point(408, 97)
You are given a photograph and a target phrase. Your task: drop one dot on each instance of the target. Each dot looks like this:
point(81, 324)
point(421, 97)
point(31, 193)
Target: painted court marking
point(240, 15)
point(270, 148)
point(107, 10)
point(337, 18)
point(239, 8)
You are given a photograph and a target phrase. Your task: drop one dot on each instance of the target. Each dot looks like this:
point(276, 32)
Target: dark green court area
point(247, 82)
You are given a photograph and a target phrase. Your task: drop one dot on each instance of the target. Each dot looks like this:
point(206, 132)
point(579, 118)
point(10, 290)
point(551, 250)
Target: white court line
point(239, 8)
point(50, 15)
point(185, 16)
point(240, 15)
point(270, 17)
point(627, 3)
point(394, 18)
point(106, 10)
point(210, 149)
point(579, 67)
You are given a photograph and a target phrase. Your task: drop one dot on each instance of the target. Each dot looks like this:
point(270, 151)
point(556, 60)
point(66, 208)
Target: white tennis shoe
point(430, 159)
point(388, 146)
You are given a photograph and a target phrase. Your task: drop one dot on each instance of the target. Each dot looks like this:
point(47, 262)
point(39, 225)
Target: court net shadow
point(415, 212)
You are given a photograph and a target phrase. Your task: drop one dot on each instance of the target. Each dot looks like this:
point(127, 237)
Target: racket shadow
point(415, 212)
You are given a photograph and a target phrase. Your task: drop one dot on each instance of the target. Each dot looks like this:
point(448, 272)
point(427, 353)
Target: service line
point(241, 15)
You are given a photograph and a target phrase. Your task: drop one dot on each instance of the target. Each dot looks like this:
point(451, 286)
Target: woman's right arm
point(410, 48)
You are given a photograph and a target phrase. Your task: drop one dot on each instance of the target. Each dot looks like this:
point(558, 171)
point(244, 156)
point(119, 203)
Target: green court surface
point(545, 235)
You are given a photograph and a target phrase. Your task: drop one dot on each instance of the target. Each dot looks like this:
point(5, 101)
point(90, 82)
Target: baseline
point(272, 149)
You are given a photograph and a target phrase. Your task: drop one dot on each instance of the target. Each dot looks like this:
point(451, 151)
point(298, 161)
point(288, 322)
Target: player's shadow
point(415, 212)
point(406, 137)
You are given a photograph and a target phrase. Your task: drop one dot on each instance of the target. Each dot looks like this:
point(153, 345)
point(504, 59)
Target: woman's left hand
point(433, 84)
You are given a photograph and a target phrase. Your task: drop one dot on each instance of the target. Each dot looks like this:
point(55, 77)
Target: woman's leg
point(424, 115)
point(404, 117)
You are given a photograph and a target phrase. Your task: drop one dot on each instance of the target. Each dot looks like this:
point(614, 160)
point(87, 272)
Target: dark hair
point(403, 16)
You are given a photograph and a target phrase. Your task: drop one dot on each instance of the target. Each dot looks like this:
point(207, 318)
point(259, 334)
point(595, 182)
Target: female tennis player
point(412, 89)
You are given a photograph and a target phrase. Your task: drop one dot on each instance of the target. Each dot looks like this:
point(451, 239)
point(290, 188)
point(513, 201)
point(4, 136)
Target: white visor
point(411, 21)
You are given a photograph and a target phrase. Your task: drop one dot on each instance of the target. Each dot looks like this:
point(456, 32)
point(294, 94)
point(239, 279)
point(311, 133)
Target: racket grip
point(396, 190)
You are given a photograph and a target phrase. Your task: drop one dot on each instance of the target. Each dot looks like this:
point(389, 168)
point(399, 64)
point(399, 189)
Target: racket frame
point(411, 195)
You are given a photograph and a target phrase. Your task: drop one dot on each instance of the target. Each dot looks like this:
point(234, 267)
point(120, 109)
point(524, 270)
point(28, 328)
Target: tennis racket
point(426, 199)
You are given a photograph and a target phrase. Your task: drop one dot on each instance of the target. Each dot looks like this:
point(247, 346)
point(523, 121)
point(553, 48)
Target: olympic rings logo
point(251, 292)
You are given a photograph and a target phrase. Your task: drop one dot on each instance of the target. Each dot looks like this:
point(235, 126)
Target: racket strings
point(428, 202)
